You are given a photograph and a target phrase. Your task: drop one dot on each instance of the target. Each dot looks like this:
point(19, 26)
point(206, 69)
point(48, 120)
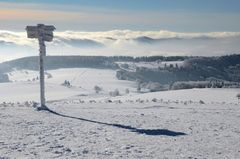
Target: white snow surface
point(82, 80)
point(194, 123)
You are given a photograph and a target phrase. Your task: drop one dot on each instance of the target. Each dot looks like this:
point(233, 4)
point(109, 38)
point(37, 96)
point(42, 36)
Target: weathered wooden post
point(42, 33)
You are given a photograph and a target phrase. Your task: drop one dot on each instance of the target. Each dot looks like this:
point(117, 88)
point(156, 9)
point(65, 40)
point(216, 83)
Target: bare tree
point(97, 89)
point(114, 93)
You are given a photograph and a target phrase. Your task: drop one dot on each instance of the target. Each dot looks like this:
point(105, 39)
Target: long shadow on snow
point(164, 132)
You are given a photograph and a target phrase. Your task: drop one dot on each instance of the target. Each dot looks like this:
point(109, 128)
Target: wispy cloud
point(115, 35)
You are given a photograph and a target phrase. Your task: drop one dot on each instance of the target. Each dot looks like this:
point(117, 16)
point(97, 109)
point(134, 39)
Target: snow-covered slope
point(120, 130)
point(25, 85)
point(194, 123)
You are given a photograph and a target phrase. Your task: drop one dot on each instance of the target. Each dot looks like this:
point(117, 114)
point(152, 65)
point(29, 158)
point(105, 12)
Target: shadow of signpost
point(153, 132)
point(149, 131)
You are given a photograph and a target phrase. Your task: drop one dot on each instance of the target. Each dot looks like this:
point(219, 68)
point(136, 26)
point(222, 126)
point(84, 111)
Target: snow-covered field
point(25, 85)
point(195, 123)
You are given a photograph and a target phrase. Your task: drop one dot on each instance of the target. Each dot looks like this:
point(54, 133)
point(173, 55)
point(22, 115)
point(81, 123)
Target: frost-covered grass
point(159, 129)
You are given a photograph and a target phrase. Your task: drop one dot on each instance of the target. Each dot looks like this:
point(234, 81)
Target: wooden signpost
point(42, 33)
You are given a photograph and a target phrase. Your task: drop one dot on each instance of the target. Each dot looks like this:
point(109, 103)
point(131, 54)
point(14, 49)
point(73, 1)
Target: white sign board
point(46, 31)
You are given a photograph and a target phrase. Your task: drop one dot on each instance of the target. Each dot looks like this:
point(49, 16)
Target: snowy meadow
point(85, 121)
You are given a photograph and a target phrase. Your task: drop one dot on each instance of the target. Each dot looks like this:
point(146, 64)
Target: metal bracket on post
point(42, 33)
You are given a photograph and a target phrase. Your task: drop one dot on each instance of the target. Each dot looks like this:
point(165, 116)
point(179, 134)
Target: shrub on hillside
point(97, 89)
point(4, 78)
point(114, 93)
point(238, 95)
point(190, 85)
point(127, 91)
point(154, 86)
point(66, 83)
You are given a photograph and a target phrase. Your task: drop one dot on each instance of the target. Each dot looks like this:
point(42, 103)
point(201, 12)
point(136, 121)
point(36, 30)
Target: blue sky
point(103, 15)
point(191, 5)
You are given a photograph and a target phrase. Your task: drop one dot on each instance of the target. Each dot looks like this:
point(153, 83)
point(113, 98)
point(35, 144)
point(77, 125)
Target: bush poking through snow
point(35, 104)
point(114, 93)
point(139, 100)
point(238, 96)
point(4, 78)
point(97, 89)
point(108, 101)
point(154, 100)
point(92, 101)
point(66, 83)
point(201, 102)
point(139, 87)
point(118, 101)
point(48, 75)
point(155, 86)
point(127, 91)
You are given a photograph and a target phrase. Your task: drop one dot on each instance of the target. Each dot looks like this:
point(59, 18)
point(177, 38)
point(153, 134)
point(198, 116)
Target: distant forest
point(224, 68)
point(54, 62)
